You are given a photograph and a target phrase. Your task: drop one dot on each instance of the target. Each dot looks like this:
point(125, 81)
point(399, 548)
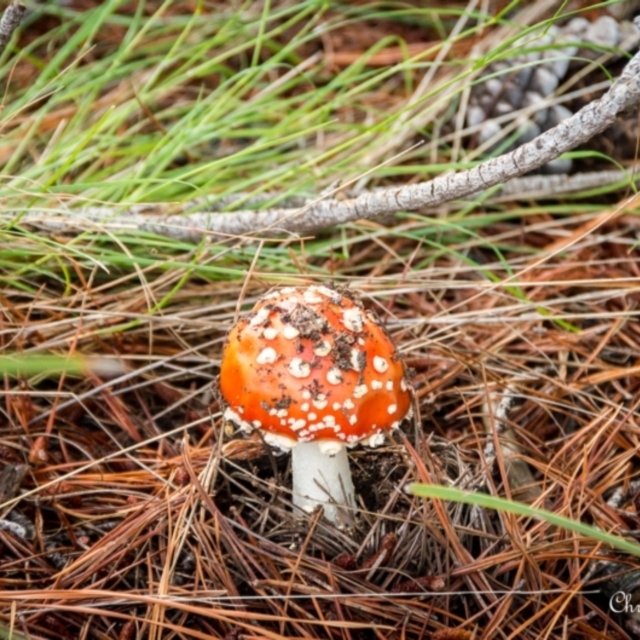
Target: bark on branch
point(9, 22)
point(327, 213)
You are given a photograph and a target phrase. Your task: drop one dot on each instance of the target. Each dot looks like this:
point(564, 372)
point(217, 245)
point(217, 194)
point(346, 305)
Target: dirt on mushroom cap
point(312, 364)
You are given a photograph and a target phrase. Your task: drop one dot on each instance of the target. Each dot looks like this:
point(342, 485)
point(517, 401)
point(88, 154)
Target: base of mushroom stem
point(322, 480)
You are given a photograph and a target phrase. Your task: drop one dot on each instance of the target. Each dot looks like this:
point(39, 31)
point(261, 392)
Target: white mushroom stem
point(322, 479)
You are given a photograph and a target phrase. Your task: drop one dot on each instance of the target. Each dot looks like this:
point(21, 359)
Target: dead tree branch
point(324, 213)
point(9, 22)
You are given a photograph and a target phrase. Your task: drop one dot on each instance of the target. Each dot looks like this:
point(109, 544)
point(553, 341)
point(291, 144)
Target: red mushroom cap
point(311, 364)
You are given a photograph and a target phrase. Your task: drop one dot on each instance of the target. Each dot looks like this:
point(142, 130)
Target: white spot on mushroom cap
point(360, 391)
point(282, 413)
point(270, 333)
point(329, 420)
point(310, 296)
point(311, 415)
point(299, 368)
point(278, 441)
point(305, 406)
point(389, 385)
point(356, 359)
point(298, 424)
point(267, 356)
point(325, 291)
point(290, 332)
point(337, 406)
point(306, 394)
point(392, 408)
point(353, 319)
point(376, 384)
point(353, 419)
point(380, 364)
point(262, 315)
point(376, 440)
point(334, 376)
point(234, 417)
point(323, 349)
point(256, 424)
point(348, 404)
point(403, 384)
point(288, 304)
point(320, 401)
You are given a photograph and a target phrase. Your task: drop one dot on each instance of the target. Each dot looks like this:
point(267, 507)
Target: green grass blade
point(520, 509)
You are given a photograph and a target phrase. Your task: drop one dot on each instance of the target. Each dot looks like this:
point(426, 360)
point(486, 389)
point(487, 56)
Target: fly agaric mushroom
point(315, 373)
